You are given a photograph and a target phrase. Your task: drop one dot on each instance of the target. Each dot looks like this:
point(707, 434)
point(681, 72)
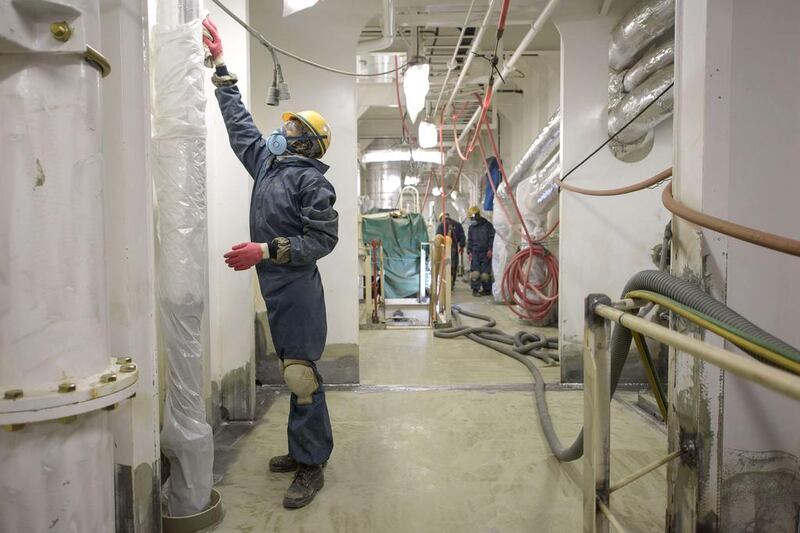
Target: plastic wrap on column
point(657, 57)
point(639, 28)
point(179, 161)
point(542, 147)
point(506, 243)
point(637, 100)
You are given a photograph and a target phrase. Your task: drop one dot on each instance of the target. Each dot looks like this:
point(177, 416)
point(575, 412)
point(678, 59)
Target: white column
point(604, 240)
point(53, 474)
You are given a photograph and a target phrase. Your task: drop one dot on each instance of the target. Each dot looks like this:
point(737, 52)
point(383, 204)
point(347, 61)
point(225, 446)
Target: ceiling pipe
point(476, 43)
point(388, 30)
point(508, 66)
point(451, 65)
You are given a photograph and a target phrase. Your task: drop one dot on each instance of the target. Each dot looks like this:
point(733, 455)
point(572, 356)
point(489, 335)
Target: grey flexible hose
point(691, 296)
point(524, 345)
point(652, 280)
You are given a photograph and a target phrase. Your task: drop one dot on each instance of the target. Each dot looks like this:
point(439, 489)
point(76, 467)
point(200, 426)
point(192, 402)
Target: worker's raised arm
point(246, 140)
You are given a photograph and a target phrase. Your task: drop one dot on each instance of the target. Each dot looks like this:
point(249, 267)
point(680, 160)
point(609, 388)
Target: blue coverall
point(291, 198)
point(456, 232)
point(479, 243)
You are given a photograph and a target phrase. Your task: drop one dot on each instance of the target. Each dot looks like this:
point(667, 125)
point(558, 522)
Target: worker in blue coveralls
point(480, 239)
point(456, 233)
point(292, 225)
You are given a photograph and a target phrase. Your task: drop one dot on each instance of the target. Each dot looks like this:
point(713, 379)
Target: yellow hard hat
point(472, 211)
point(317, 124)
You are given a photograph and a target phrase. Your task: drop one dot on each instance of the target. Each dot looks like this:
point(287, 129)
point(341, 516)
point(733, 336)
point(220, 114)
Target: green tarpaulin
point(401, 238)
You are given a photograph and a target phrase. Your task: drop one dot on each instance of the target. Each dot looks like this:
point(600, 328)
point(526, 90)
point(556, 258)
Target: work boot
point(476, 293)
point(485, 293)
point(308, 480)
point(282, 463)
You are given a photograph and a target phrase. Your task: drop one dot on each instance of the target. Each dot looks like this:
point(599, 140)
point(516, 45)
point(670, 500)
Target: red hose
point(527, 300)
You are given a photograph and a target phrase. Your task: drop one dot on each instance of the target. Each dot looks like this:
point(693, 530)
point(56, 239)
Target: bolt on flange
point(13, 394)
point(124, 360)
point(108, 378)
point(61, 31)
point(67, 387)
point(127, 368)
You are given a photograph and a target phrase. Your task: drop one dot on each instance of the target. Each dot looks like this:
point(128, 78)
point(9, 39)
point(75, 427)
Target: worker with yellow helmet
point(292, 225)
point(480, 239)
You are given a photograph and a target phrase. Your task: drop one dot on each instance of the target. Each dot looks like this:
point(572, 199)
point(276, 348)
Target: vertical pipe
point(53, 312)
point(179, 132)
point(596, 416)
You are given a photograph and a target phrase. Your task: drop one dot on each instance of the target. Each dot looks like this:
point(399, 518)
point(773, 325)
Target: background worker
point(292, 225)
point(456, 233)
point(479, 248)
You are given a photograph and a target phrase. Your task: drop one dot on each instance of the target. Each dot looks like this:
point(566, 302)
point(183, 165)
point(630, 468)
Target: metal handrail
point(597, 515)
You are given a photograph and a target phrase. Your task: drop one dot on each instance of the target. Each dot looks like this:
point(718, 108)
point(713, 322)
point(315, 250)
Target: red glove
point(244, 255)
point(489, 254)
point(212, 40)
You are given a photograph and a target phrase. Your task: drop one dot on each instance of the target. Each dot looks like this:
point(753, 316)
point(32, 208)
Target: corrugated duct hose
point(526, 345)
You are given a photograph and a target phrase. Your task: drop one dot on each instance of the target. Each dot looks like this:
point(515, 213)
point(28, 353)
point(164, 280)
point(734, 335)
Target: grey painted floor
point(441, 437)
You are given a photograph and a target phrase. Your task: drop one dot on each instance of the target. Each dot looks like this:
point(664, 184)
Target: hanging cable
point(301, 59)
point(399, 104)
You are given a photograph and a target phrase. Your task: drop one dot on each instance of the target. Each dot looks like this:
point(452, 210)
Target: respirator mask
point(291, 138)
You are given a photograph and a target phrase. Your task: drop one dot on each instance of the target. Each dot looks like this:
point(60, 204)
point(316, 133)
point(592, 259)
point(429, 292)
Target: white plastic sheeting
point(179, 170)
point(506, 243)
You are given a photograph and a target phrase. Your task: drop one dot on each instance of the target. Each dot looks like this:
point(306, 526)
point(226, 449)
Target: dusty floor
point(441, 436)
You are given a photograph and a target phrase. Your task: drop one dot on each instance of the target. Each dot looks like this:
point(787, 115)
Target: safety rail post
point(596, 416)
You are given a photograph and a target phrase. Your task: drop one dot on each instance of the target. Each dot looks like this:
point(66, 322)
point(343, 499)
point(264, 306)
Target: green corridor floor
point(442, 436)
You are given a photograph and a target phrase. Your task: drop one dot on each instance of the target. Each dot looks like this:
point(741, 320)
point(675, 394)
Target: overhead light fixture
point(436, 191)
point(428, 135)
point(454, 196)
point(411, 181)
point(386, 156)
point(415, 88)
point(293, 6)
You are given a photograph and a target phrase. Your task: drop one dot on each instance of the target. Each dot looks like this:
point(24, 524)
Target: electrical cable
point(399, 104)
point(301, 59)
point(778, 243)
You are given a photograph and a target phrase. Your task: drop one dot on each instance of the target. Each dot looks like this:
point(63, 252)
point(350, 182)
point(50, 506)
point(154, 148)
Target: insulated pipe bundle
point(544, 191)
point(657, 57)
point(179, 168)
point(636, 101)
point(642, 43)
point(639, 28)
point(542, 147)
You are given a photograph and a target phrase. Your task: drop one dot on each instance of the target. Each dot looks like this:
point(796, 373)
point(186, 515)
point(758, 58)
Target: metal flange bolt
point(67, 387)
point(61, 31)
point(128, 367)
point(13, 394)
point(108, 378)
point(124, 360)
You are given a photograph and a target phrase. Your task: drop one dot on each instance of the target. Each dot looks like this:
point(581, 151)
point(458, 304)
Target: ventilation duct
point(388, 29)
